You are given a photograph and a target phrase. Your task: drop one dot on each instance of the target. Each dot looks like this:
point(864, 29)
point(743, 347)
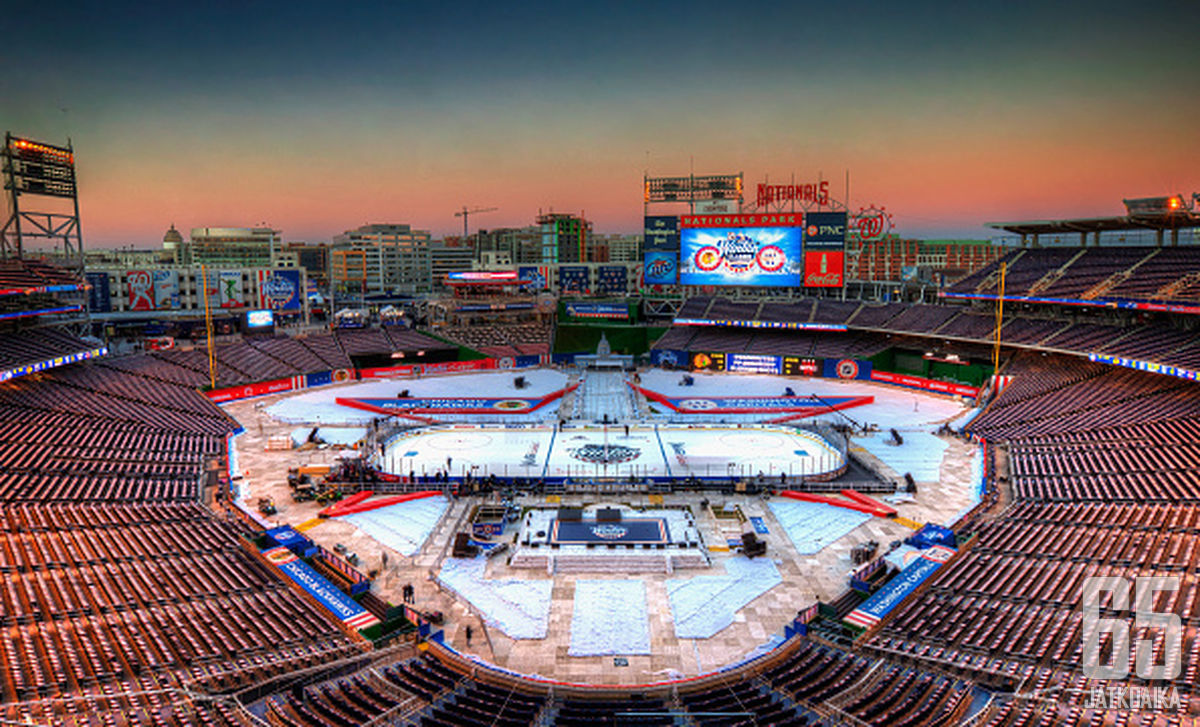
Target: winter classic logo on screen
point(278, 290)
point(739, 253)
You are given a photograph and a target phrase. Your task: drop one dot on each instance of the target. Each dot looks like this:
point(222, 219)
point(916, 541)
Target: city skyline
point(316, 120)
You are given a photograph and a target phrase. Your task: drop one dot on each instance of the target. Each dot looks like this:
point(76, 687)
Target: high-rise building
point(450, 254)
point(314, 258)
point(381, 258)
point(615, 248)
point(565, 237)
point(244, 247)
point(518, 244)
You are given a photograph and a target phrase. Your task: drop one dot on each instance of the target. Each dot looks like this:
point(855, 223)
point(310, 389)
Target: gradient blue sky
point(317, 117)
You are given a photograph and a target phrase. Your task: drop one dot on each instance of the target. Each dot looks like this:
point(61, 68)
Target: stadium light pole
point(999, 322)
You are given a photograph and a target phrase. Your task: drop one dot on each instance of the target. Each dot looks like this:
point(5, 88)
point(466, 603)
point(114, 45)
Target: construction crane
point(465, 213)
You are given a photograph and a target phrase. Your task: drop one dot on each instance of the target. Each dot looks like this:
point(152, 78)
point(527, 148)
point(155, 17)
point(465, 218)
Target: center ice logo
point(609, 532)
point(605, 453)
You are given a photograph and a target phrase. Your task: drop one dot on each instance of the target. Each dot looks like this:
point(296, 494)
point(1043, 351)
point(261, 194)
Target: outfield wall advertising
point(661, 268)
point(99, 300)
point(917, 382)
point(752, 363)
point(279, 289)
point(662, 233)
point(824, 249)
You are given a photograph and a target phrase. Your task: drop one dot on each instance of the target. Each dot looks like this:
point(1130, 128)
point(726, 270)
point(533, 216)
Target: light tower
point(46, 172)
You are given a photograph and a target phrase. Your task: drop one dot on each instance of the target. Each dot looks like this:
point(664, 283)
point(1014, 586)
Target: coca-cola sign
point(823, 268)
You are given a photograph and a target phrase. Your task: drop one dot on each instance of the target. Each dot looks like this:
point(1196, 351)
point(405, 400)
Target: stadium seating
point(522, 338)
point(35, 345)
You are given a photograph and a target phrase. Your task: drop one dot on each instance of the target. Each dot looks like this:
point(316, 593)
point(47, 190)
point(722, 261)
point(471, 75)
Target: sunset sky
point(315, 118)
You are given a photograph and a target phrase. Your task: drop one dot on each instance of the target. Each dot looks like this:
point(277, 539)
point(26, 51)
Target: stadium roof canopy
point(1087, 225)
point(1153, 213)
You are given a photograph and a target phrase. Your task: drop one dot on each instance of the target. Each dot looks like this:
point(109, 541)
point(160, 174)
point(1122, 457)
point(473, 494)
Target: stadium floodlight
point(1154, 206)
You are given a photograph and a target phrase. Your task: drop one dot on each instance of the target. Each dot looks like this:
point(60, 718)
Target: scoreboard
point(797, 366)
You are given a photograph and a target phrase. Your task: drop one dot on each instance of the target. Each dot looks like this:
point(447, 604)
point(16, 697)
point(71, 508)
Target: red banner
point(916, 382)
point(436, 368)
point(769, 219)
point(823, 268)
point(250, 390)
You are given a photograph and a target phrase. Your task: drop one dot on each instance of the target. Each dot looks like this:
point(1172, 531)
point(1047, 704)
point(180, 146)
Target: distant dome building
point(172, 239)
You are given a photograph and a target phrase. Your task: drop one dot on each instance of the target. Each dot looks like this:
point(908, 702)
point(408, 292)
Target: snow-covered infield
point(704, 605)
point(610, 619)
point(403, 527)
point(519, 608)
point(920, 455)
point(813, 526)
point(338, 436)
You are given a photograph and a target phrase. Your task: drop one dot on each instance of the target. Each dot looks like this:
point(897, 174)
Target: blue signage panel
point(824, 230)
point(573, 279)
point(893, 593)
point(757, 256)
point(668, 357)
point(597, 310)
point(535, 275)
point(753, 363)
point(99, 300)
point(612, 280)
point(316, 585)
point(320, 378)
point(662, 233)
point(662, 268)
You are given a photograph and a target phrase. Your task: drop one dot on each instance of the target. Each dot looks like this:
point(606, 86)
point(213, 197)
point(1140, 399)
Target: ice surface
point(704, 605)
point(610, 618)
point(519, 608)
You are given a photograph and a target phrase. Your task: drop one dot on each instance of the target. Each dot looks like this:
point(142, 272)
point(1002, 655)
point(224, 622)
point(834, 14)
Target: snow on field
point(519, 608)
point(812, 526)
point(318, 406)
point(893, 406)
point(403, 527)
point(920, 455)
point(704, 605)
point(344, 436)
point(610, 618)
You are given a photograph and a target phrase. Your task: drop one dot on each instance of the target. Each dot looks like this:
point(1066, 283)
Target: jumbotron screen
point(756, 256)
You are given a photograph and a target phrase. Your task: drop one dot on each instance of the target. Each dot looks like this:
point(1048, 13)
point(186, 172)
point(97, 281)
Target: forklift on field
point(267, 506)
